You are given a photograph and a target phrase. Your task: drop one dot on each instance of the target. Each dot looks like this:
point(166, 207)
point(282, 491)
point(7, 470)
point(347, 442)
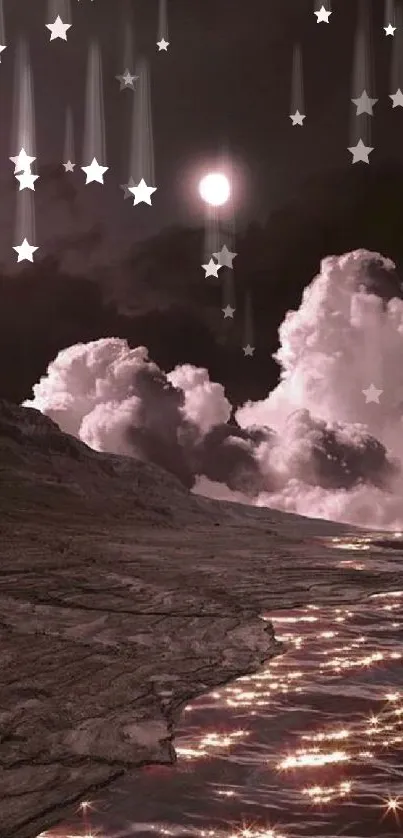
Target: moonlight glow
point(214, 189)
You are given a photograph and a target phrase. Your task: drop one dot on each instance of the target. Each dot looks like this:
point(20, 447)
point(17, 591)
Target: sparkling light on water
point(324, 762)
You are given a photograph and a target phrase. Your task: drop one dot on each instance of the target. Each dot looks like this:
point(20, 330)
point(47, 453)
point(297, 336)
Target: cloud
point(314, 446)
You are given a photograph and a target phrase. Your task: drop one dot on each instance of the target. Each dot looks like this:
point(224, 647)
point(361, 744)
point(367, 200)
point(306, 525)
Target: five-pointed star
point(322, 15)
point(389, 29)
point(212, 268)
point(58, 29)
point(1, 50)
point(372, 394)
point(22, 162)
point(142, 192)
point(225, 257)
point(126, 80)
point(69, 166)
point(397, 98)
point(25, 251)
point(163, 44)
point(297, 118)
point(94, 172)
point(360, 152)
point(27, 180)
point(364, 103)
point(228, 311)
point(127, 186)
point(248, 350)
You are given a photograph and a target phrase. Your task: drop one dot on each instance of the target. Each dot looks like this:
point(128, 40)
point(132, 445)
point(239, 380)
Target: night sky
point(105, 267)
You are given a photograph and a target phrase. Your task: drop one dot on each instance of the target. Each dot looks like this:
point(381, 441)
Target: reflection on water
point(310, 747)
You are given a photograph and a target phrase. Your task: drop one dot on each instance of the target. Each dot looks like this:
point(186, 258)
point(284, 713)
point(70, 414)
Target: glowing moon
point(214, 188)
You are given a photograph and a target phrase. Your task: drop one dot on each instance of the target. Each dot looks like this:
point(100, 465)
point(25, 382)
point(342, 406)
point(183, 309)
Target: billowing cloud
point(316, 445)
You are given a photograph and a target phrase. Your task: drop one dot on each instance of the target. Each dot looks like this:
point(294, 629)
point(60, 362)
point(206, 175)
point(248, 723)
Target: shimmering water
point(310, 747)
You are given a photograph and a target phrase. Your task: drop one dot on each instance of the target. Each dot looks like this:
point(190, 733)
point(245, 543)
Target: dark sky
point(224, 82)
point(226, 78)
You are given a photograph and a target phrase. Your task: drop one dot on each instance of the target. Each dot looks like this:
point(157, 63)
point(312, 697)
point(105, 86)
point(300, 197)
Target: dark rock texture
point(122, 596)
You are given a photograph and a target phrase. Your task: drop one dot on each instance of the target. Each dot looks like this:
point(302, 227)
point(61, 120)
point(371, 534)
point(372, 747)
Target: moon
point(214, 189)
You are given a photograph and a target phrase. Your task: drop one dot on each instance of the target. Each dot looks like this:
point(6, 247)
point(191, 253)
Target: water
point(310, 747)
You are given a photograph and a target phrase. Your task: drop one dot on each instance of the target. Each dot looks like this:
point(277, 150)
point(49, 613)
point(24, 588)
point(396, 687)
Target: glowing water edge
point(311, 746)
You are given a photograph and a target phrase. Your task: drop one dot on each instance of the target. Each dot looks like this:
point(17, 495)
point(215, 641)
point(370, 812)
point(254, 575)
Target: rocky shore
point(122, 597)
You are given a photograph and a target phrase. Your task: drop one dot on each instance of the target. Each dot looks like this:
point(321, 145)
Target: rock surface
point(122, 596)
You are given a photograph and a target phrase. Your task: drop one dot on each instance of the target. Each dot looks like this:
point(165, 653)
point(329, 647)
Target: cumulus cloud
point(315, 445)
point(205, 403)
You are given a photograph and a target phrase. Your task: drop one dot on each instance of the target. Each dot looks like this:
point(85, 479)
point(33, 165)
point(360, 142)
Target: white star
point(248, 350)
point(212, 268)
point(364, 103)
point(225, 257)
point(372, 394)
point(58, 29)
point(27, 180)
point(142, 192)
point(297, 118)
point(126, 80)
point(322, 15)
point(162, 44)
point(94, 172)
point(360, 152)
point(389, 29)
point(69, 166)
point(1, 50)
point(22, 161)
point(25, 251)
point(228, 311)
point(397, 98)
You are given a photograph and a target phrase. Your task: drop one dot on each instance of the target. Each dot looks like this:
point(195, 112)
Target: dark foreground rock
point(122, 597)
